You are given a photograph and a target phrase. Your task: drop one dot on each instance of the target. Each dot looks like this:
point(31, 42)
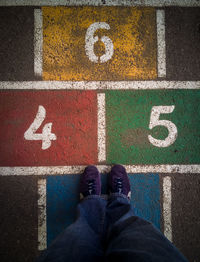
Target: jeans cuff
point(92, 197)
point(115, 195)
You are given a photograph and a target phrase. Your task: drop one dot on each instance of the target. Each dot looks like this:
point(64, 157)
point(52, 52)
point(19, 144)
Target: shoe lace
point(91, 186)
point(118, 185)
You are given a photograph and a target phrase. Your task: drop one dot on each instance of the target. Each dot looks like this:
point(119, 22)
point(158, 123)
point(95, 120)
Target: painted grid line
point(64, 170)
point(101, 85)
point(161, 49)
point(42, 223)
point(38, 42)
point(167, 199)
point(101, 127)
point(159, 3)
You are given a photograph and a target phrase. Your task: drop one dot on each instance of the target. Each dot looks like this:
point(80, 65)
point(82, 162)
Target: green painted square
point(127, 119)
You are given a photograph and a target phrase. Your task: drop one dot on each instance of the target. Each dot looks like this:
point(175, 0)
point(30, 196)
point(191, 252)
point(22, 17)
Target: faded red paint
point(74, 121)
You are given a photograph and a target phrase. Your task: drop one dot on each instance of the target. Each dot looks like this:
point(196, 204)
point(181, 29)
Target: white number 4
point(46, 135)
point(154, 121)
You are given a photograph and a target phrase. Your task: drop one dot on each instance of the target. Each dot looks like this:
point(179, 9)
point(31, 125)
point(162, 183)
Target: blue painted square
point(63, 197)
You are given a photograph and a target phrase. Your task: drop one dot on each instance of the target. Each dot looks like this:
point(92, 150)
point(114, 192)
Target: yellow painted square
point(132, 33)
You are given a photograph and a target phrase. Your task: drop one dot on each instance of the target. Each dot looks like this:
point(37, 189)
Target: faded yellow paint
point(132, 31)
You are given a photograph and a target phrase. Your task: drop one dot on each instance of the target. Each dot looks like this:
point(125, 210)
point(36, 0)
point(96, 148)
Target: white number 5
point(46, 135)
point(90, 40)
point(154, 121)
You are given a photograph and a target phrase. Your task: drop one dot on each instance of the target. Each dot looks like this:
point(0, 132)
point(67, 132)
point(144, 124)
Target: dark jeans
point(107, 230)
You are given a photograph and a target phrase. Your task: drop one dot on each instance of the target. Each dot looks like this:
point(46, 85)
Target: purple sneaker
point(90, 182)
point(118, 181)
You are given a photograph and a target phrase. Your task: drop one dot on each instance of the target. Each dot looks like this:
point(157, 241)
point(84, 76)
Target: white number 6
point(154, 121)
point(90, 40)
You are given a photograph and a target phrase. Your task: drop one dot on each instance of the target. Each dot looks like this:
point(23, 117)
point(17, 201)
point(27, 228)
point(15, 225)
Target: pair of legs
point(107, 230)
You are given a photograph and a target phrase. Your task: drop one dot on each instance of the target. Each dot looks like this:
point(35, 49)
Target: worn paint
point(103, 85)
point(161, 48)
point(38, 42)
point(63, 170)
point(128, 115)
point(46, 136)
point(159, 3)
point(155, 121)
point(73, 119)
point(42, 223)
point(65, 46)
point(183, 63)
point(101, 127)
point(63, 197)
point(91, 39)
point(167, 213)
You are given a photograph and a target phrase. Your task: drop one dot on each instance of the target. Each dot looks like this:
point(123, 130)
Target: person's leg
point(81, 241)
point(129, 237)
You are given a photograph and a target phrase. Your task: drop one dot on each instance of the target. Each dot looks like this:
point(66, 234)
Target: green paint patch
point(128, 116)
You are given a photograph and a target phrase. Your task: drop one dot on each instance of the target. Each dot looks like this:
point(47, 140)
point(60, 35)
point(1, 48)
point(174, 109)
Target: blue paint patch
point(145, 197)
point(63, 197)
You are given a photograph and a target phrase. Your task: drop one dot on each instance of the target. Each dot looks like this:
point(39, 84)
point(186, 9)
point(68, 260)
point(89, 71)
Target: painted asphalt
point(73, 119)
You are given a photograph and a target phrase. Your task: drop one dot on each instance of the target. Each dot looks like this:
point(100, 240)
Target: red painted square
point(73, 115)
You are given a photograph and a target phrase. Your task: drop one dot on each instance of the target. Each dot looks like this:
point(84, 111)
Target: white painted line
point(38, 42)
point(158, 3)
point(101, 127)
point(167, 207)
point(161, 48)
point(42, 225)
point(64, 170)
point(101, 85)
